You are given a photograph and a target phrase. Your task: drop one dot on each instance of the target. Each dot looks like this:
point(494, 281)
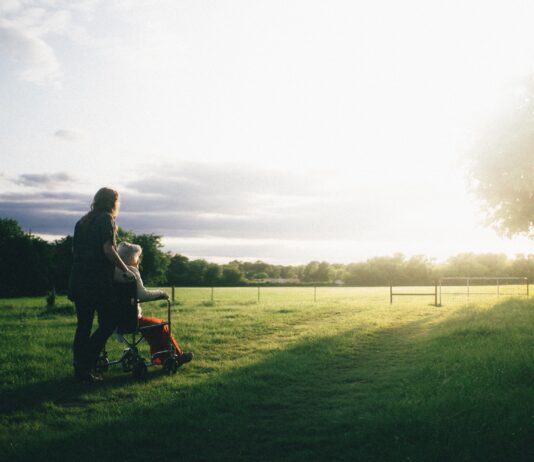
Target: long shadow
point(344, 397)
point(63, 391)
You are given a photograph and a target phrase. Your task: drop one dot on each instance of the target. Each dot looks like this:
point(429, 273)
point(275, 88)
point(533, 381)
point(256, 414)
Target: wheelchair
point(131, 334)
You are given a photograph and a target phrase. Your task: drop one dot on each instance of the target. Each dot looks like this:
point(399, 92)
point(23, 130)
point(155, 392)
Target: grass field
point(349, 377)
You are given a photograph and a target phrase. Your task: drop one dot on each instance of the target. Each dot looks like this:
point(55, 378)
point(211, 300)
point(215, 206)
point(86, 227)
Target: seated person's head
point(130, 253)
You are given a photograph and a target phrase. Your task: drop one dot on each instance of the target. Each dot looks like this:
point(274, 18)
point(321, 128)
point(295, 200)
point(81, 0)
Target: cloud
point(44, 211)
point(195, 200)
point(35, 59)
point(68, 135)
point(224, 209)
point(26, 30)
point(47, 180)
point(239, 201)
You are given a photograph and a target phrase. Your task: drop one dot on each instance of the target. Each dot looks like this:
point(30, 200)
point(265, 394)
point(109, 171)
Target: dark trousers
point(87, 347)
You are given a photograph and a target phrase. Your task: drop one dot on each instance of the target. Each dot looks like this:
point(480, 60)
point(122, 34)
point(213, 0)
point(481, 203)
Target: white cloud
point(26, 30)
point(69, 135)
point(35, 59)
point(9, 6)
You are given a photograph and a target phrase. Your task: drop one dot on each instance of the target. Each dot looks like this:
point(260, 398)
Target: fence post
point(314, 293)
point(172, 295)
point(212, 294)
point(435, 293)
point(527, 287)
point(390, 293)
point(51, 298)
point(498, 289)
point(467, 288)
point(258, 294)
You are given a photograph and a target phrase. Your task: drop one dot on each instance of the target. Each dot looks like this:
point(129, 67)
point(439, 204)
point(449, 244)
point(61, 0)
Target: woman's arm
point(145, 295)
point(111, 254)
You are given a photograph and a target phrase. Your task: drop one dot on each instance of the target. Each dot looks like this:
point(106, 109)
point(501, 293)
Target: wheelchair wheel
point(170, 366)
point(140, 370)
point(128, 361)
point(102, 364)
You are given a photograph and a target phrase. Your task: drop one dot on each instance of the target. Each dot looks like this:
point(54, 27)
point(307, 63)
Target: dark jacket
point(91, 277)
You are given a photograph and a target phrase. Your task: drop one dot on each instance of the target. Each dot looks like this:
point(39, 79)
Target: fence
point(415, 294)
point(503, 286)
point(472, 286)
point(210, 293)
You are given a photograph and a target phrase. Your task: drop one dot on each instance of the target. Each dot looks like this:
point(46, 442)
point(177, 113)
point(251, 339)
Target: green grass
point(349, 377)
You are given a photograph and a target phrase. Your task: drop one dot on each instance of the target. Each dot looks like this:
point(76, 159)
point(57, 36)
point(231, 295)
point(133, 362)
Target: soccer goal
point(473, 286)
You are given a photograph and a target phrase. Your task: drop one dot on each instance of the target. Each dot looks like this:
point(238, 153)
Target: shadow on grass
point(390, 395)
point(64, 391)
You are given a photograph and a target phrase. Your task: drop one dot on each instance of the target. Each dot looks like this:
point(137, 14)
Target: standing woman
point(91, 280)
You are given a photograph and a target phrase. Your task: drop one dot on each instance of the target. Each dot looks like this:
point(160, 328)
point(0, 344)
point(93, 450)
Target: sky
point(286, 131)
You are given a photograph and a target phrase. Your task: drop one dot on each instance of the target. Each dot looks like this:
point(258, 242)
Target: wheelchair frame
point(131, 359)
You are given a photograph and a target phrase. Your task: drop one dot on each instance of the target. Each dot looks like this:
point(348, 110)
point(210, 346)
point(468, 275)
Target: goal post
point(469, 286)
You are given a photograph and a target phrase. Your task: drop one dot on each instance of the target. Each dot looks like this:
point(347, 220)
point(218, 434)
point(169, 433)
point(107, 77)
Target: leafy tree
point(178, 270)
point(252, 268)
point(469, 264)
point(212, 273)
point(288, 272)
point(197, 270)
point(232, 275)
point(274, 271)
point(154, 263)
point(324, 273)
point(125, 235)
point(26, 262)
point(503, 168)
point(419, 270)
point(261, 276)
point(523, 266)
point(10, 229)
point(310, 271)
point(61, 263)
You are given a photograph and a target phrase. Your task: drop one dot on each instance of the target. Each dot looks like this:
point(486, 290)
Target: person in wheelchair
point(157, 338)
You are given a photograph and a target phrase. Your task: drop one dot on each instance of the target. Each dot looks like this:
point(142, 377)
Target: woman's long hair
point(105, 201)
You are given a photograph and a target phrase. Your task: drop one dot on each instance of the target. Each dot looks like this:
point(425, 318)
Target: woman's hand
point(111, 254)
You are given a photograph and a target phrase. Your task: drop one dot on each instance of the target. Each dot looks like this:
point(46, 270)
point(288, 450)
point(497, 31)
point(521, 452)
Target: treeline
point(31, 266)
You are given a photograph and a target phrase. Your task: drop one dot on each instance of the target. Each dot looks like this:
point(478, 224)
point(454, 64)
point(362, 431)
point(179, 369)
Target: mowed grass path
point(348, 377)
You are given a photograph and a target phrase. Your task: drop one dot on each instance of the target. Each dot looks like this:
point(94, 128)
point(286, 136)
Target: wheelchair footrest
point(141, 329)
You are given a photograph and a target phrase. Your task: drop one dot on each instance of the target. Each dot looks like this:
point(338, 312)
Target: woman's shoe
point(85, 376)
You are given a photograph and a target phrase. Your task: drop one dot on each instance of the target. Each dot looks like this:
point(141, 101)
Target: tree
point(26, 262)
point(62, 263)
point(310, 271)
point(288, 272)
point(503, 168)
point(154, 263)
point(261, 276)
point(9, 229)
point(231, 274)
point(178, 270)
point(197, 270)
point(124, 235)
point(212, 274)
point(324, 273)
